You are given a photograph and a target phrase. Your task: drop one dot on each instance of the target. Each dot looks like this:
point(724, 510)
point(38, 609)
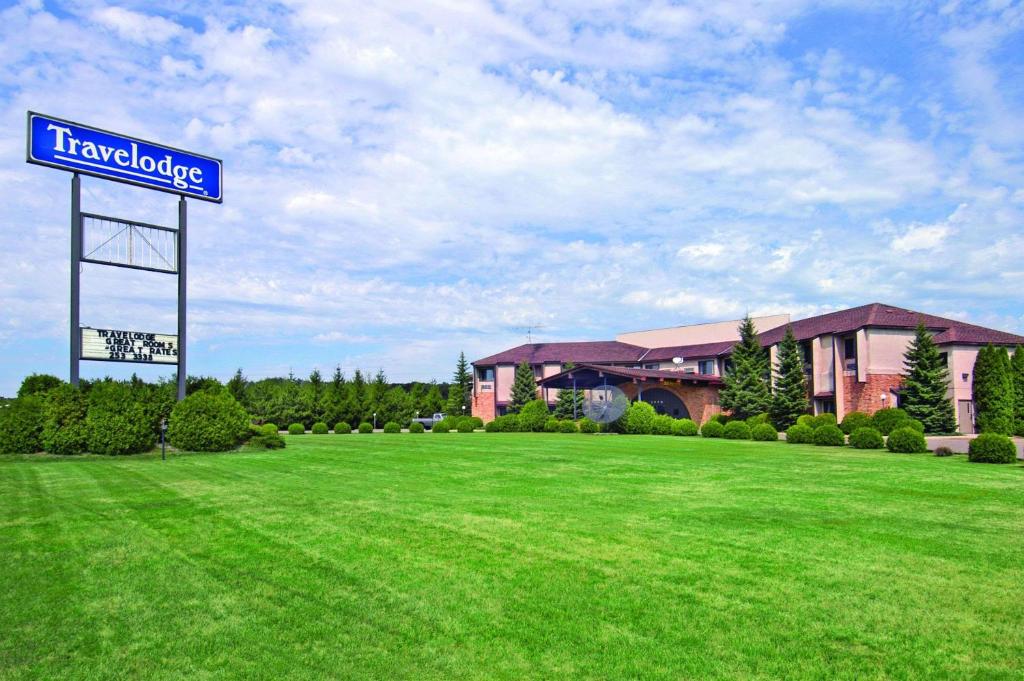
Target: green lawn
point(512, 556)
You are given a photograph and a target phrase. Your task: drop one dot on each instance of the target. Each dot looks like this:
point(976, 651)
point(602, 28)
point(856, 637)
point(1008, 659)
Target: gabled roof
point(880, 315)
point(588, 351)
point(590, 375)
point(701, 351)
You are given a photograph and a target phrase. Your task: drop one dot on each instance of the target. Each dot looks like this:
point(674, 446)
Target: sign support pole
point(182, 292)
point(76, 274)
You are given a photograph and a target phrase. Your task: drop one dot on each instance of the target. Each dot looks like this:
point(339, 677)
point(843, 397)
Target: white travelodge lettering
point(180, 175)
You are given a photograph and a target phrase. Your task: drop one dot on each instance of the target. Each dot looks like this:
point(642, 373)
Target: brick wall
point(867, 396)
point(483, 405)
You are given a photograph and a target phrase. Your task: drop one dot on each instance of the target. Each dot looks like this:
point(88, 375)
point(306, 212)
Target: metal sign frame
point(130, 224)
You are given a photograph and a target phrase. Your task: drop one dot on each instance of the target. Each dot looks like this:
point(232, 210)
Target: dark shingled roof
point(588, 351)
point(891, 317)
point(690, 351)
point(563, 379)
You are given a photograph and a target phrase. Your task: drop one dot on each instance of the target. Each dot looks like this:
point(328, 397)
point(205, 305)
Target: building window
point(944, 358)
point(651, 366)
point(706, 366)
point(487, 374)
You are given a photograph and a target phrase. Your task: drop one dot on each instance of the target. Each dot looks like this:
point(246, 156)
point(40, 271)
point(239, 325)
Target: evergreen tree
point(461, 390)
point(375, 396)
point(1017, 364)
point(926, 384)
point(314, 396)
point(524, 388)
point(789, 400)
point(237, 387)
point(433, 401)
point(334, 398)
point(569, 404)
point(357, 399)
point(993, 391)
point(746, 389)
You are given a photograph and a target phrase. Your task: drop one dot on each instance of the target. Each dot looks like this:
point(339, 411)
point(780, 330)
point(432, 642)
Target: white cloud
point(135, 26)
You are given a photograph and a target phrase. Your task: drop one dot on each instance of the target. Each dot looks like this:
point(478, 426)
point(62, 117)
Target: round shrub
point(640, 418)
point(943, 451)
point(296, 429)
point(799, 434)
point(888, 419)
point(466, 426)
point(551, 425)
point(267, 428)
point(21, 425)
point(855, 420)
point(207, 421)
point(828, 435)
point(589, 426)
point(492, 427)
point(757, 420)
point(64, 428)
point(441, 427)
point(721, 418)
point(712, 429)
point(266, 441)
point(806, 420)
point(662, 425)
point(764, 432)
point(342, 428)
point(824, 419)
point(912, 423)
point(567, 426)
point(684, 427)
point(475, 420)
point(392, 427)
point(416, 427)
point(992, 448)
point(119, 423)
point(736, 430)
point(906, 441)
point(319, 428)
point(366, 427)
point(507, 423)
point(533, 415)
point(867, 437)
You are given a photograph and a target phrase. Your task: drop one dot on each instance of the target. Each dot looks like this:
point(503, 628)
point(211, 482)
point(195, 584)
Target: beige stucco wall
point(886, 348)
point(695, 334)
point(823, 372)
point(505, 375)
point(961, 361)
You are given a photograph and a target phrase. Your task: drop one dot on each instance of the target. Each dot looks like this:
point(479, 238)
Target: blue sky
point(407, 180)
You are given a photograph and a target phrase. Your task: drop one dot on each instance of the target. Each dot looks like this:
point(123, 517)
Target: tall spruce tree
point(569, 404)
point(993, 391)
point(1017, 365)
point(746, 389)
point(789, 399)
point(926, 384)
point(524, 388)
point(237, 385)
point(461, 389)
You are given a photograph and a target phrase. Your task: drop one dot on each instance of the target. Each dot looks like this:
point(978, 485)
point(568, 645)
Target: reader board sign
point(58, 143)
point(115, 345)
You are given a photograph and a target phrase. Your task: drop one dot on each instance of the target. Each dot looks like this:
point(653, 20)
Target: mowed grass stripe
point(512, 556)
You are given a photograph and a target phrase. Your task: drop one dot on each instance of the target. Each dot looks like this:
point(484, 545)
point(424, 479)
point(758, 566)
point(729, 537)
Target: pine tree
point(926, 384)
point(569, 404)
point(993, 391)
point(524, 388)
point(1017, 364)
point(789, 400)
point(461, 389)
point(746, 388)
point(433, 402)
point(237, 385)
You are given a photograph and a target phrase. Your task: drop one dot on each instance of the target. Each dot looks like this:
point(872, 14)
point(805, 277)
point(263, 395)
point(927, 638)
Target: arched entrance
point(666, 402)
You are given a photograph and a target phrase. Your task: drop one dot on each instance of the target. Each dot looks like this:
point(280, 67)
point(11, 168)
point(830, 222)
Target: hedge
point(589, 426)
point(507, 423)
point(319, 428)
point(712, 429)
point(905, 440)
point(296, 429)
point(828, 435)
point(662, 424)
point(867, 437)
point(567, 426)
point(342, 428)
point(855, 420)
point(683, 427)
point(639, 418)
point(416, 427)
point(207, 421)
point(533, 415)
point(992, 448)
point(392, 427)
point(64, 427)
point(799, 434)
point(119, 423)
point(736, 430)
point(266, 441)
point(21, 426)
point(551, 425)
point(764, 432)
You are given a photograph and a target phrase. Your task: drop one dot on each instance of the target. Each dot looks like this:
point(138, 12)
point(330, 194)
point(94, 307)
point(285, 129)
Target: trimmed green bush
point(757, 420)
point(912, 423)
point(120, 424)
point(824, 419)
point(712, 429)
point(855, 420)
point(533, 415)
point(828, 435)
point(799, 434)
point(319, 428)
point(906, 440)
point(207, 421)
point(888, 419)
point(392, 427)
point(567, 426)
point(764, 432)
point(267, 428)
point(551, 425)
point(476, 421)
point(507, 423)
point(721, 418)
point(466, 426)
point(639, 418)
point(589, 426)
point(266, 441)
point(366, 427)
point(943, 451)
point(806, 420)
point(64, 429)
point(867, 437)
point(416, 427)
point(21, 425)
point(684, 427)
point(342, 428)
point(662, 424)
point(441, 427)
point(992, 448)
point(492, 427)
point(736, 430)
point(296, 429)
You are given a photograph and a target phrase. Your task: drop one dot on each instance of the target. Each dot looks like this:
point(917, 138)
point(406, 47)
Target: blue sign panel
point(82, 149)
